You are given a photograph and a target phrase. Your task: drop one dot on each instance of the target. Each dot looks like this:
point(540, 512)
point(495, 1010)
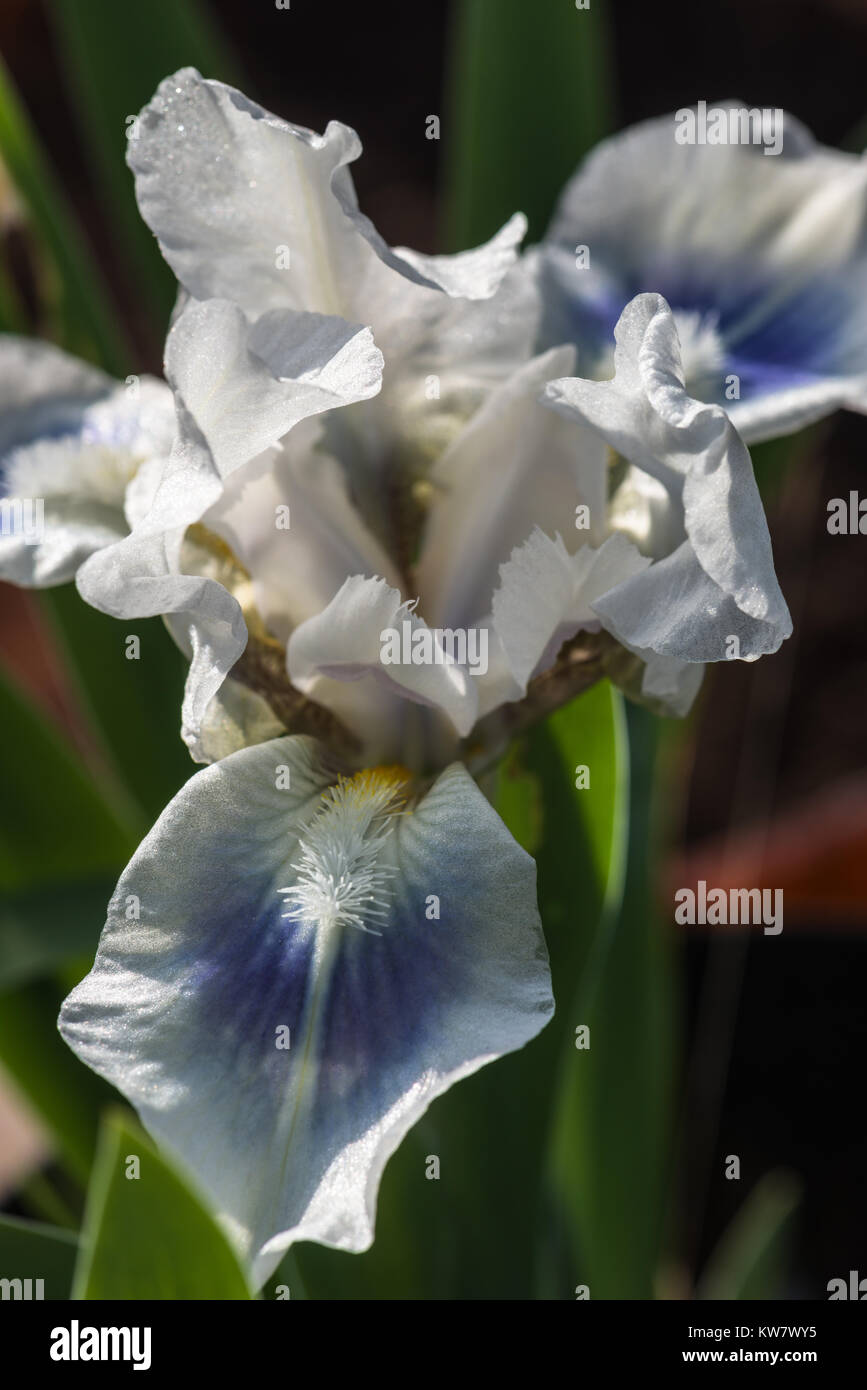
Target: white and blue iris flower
point(379, 911)
point(763, 260)
point(387, 535)
point(79, 454)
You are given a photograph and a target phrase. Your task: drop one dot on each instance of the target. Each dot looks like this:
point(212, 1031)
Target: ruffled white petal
point(139, 577)
point(243, 404)
point(264, 933)
point(346, 642)
point(250, 208)
point(676, 610)
point(247, 385)
point(724, 582)
point(474, 274)
point(547, 595)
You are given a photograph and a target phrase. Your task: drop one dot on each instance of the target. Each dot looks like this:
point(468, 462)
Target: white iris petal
point(185, 1007)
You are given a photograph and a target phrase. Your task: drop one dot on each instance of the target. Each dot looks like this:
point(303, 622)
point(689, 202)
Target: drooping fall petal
point(290, 974)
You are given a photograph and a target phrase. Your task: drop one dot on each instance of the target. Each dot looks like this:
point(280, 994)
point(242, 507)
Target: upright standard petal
point(273, 218)
point(508, 471)
point(72, 442)
point(250, 208)
point(720, 582)
point(321, 963)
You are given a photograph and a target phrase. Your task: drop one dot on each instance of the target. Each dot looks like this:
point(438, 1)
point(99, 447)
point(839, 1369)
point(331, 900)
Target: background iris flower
point(762, 257)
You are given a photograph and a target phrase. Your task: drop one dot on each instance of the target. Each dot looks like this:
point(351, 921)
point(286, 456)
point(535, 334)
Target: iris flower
point(84, 447)
point(763, 260)
point(330, 925)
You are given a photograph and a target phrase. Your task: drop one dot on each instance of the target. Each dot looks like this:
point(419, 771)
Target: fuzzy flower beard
point(340, 881)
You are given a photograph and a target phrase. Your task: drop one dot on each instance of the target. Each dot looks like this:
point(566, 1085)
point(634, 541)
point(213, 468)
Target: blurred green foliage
point(751, 1259)
point(37, 1251)
point(146, 1234)
point(74, 296)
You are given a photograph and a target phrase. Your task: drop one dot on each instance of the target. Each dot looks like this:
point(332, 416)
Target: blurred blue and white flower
point(87, 448)
point(763, 261)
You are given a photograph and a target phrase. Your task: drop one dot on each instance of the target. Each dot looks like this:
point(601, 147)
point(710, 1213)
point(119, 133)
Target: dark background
point(769, 783)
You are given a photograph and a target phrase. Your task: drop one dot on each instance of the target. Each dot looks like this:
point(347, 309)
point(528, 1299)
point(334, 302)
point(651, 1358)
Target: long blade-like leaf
point(113, 66)
point(146, 1233)
point(529, 93)
point(88, 325)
